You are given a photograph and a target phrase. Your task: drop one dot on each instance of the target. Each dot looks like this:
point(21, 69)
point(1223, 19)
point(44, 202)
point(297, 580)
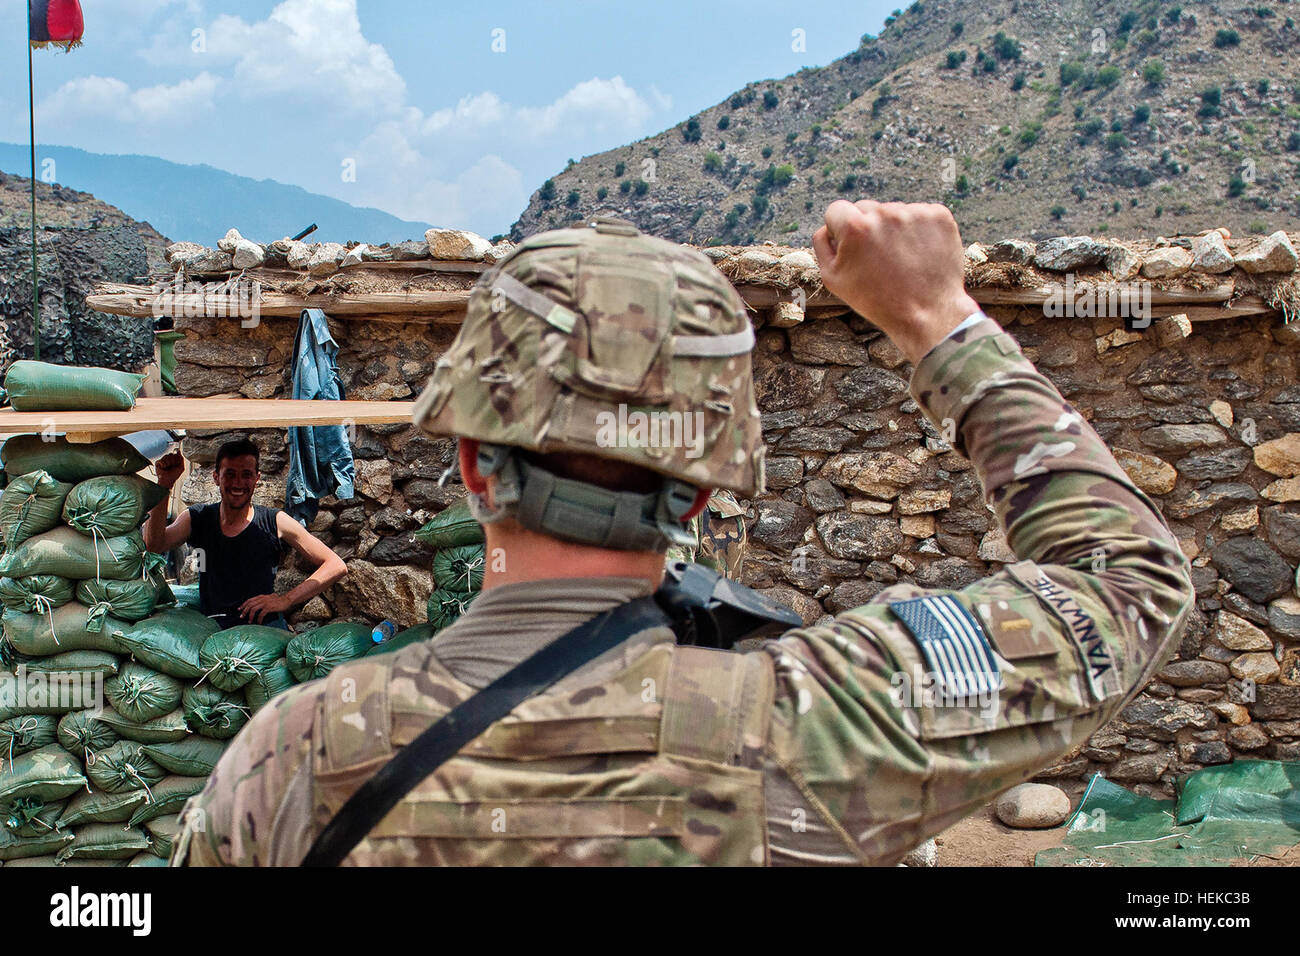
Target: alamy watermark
point(235, 299)
point(927, 690)
point(654, 429)
point(67, 691)
point(1128, 301)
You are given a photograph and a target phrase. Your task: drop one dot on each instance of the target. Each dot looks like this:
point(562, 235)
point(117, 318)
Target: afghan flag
point(54, 21)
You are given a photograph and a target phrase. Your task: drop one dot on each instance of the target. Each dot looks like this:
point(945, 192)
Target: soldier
point(848, 743)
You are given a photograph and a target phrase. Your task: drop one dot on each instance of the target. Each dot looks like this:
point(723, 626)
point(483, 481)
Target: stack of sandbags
point(79, 716)
point(458, 562)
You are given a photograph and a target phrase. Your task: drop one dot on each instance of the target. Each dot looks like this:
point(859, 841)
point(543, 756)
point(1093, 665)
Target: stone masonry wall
point(864, 485)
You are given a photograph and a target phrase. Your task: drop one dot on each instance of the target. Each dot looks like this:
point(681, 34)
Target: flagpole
point(31, 120)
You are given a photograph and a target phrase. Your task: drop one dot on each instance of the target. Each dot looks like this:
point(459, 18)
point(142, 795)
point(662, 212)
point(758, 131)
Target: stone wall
point(864, 485)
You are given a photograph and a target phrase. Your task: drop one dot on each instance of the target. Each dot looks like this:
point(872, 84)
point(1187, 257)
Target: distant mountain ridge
point(1026, 118)
point(199, 203)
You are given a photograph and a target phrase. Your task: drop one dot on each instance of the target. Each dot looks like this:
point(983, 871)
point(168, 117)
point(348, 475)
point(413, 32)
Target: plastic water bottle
point(383, 631)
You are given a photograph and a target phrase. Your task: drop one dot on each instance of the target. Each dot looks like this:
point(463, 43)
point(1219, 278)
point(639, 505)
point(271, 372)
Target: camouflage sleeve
point(901, 717)
point(256, 807)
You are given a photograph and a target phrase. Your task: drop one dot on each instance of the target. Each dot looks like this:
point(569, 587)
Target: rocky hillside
point(80, 241)
point(1121, 116)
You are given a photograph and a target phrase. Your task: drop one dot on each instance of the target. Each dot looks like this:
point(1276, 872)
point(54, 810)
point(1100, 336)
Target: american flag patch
point(954, 644)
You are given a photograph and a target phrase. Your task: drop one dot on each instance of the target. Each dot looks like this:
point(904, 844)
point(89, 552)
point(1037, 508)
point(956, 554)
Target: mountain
point(80, 241)
point(1027, 119)
point(199, 203)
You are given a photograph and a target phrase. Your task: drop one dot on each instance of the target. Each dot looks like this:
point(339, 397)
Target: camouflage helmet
point(608, 342)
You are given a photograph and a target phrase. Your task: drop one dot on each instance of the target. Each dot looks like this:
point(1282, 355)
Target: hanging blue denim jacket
point(320, 457)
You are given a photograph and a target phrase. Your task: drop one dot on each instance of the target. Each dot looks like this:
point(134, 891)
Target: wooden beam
point(213, 413)
point(139, 302)
point(993, 295)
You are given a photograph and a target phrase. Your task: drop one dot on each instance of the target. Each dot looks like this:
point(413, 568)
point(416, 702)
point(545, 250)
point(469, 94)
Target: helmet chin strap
point(579, 511)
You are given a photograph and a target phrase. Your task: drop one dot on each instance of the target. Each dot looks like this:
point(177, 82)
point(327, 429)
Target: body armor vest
point(656, 764)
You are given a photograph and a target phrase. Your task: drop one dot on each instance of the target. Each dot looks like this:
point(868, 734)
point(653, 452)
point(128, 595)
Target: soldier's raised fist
point(899, 265)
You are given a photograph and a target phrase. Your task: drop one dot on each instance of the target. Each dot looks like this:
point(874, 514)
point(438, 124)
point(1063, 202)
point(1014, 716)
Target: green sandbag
point(187, 595)
point(25, 732)
point(459, 569)
point(445, 606)
point(82, 735)
point(273, 681)
point(213, 712)
point(159, 730)
point(45, 387)
point(48, 774)
point(124, 766)
point(194, 757)
point(48, 861)
point(412, 635)
point(75, 663)
point(30, 504)
point(71, 554)
point(31, 818)
point(63, 630)
point(128, 601)
point(104, 841)
point(452, 527)
point(70, 462)
point(48, 693)
point(313, 654)
point(233, 657)
point(19, 848)
point(169, 795)
point(36, 593)
point(150, 857)
point(140, 694)
point(101, 807)
point(169, 641)
point(111, 504)
point(155, 569)
point(164, 831)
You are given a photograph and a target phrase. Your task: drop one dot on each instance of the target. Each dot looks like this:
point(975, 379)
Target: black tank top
point(234, 569)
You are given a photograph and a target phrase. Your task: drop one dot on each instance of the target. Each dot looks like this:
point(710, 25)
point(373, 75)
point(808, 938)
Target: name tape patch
point(1099, 663)
point(953, 643)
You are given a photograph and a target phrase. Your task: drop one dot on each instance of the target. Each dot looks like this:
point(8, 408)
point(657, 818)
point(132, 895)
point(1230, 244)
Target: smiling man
point(241, 543)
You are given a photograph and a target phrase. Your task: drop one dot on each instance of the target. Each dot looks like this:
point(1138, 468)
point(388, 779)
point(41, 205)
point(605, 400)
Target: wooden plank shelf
point(212, 413)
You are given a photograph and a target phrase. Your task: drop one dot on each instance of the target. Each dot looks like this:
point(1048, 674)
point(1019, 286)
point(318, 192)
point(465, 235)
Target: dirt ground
point(982, 840)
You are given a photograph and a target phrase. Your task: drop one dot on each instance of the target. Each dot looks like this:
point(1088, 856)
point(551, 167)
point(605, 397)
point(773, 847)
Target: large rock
point(325, 258)
point(374, 478)
point(851, 536)
point(917, 501)
point(780, 524)
point(1139, 768)
point(1271, 254)
point(399, 593)
point(456, 244)
point(1153, 475)
point(1284, 617)
point(1257, 666)
point(1019, 251)
point(1248, 737)
point(826, 342)
point(1281, 456)
point(1162, 719)
point(1275, 702)
point(1238, 634)
point(800, 603)
point(881, 474)
point(1121, 262)
point(247, 254)
point(1166, 262)
point(1221, 463)
point(867, 388)
point(1253, 568)
point(1210, 255)
point(1066, 253)
point(1284, 489)
point(1283, 530)
point(1033, 806)
point(1181, 438)
point(1193, 673)
point(1203, 499)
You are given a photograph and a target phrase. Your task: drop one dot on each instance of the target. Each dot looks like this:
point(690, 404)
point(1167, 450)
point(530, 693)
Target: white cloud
point(108, 97)
point(312, 49)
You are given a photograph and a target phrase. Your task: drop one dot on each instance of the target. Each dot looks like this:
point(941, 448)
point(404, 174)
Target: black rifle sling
point(471, 717)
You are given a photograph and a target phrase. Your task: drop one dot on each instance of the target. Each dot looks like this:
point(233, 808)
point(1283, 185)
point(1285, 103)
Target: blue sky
point(405, 106)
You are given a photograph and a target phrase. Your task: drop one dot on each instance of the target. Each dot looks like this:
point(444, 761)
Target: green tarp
point(1241, 810)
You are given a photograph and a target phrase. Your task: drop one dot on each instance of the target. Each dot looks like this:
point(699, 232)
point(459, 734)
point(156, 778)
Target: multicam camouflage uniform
point(822, 747)
point(720, 537)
